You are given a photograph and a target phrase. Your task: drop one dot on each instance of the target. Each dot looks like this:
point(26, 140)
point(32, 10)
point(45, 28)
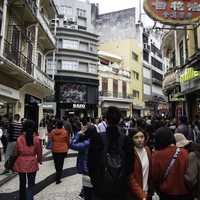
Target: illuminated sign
point(173, 12)
point(189, 74)
point(79, 106)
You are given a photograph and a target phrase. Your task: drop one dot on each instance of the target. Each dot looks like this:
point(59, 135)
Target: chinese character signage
point(173, 12)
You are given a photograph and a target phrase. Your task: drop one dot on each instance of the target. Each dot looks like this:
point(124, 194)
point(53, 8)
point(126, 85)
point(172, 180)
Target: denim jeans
point(26, 193)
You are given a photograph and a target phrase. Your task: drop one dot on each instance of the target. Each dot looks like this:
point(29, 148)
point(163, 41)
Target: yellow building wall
point(124, 48)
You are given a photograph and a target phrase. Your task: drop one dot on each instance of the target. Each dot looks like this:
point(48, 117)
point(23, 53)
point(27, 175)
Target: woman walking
point(29, 153)
point(141, 176)
point(60, 145)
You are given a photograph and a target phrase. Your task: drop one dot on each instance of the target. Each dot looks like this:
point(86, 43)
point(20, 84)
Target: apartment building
point(122, 36)
point(153, 71)
point(114, 83)
point(76, 74)
point(26, 40)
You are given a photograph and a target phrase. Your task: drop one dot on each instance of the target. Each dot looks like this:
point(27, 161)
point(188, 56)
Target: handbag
point(9, 164)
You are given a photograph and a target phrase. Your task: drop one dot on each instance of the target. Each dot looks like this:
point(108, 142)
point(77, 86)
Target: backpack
point(113, 179)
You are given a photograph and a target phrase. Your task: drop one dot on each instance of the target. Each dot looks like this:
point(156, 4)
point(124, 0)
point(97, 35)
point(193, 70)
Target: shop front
point(9, 98)
point(76, 97)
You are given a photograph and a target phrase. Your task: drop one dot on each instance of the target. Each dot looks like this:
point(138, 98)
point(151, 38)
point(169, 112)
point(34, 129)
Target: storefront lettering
point(79, 106)
point(9, 92)
point(173, 12)
point(189, 74)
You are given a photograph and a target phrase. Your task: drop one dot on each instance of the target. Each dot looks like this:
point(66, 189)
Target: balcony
point(46, 37)
point(115, 96)
point(16, 57)
point(26, 9)
point(44, 80)
point(156, 81)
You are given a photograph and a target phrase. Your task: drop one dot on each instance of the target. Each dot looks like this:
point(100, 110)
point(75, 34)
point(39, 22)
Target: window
point(156, 51)
point(173, 59)
point(70, 44)
point(70, 65)
point(1, 19)
point(134, 56)
point(156, 63)
point(146, 56)
point(135, 75)
point(81, 12)
point(136, 94)
point(145, 39)
point(157, 75)
point(39, 62)
point(181, 53)
point(104, 86)
point(93, 48)
point(124, 89)
point(92, 69)
point(66, 10)
point(84, 46)
point(115, 88)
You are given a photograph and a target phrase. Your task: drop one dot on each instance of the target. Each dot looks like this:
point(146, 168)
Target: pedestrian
point(67, 125)
point(29, 151)
point(102, 125)
point(140, 179)
point(169, 165)
point(60, 145)
point(192, 175)
point(13, 132)
point(184, 128)
point(1, 145)
point(80, 143)
point(110, 160)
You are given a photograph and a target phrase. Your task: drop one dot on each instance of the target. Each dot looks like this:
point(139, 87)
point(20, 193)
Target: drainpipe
point(54, 52)
point(3, 26)
point(186, 45)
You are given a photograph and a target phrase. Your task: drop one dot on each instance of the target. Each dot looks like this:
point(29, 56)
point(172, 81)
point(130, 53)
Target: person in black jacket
point(115, 144)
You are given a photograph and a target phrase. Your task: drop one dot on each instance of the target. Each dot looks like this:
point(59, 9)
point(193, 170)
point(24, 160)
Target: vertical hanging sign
point(173, 12)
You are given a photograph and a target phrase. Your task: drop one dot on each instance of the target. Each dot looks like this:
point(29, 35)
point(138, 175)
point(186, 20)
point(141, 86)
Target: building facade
point(26, 40)
point(182, 79)
point(76, 75)
point(121, 35)
point(153, 71)
point(114, 83)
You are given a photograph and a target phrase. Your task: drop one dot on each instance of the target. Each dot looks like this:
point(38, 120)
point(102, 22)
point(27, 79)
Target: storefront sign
point(79, 106)
point(189, 74)
point(9, 92)
point(173, 12)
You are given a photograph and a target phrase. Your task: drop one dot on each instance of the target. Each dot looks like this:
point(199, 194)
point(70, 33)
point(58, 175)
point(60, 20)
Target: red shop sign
point(173, 12)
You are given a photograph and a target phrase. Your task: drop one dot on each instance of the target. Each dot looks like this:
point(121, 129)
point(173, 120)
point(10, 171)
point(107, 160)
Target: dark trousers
point(26, 194)
point(59, 161)
point(87, 193)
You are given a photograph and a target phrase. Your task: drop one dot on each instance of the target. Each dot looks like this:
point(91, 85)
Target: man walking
point(14, 130)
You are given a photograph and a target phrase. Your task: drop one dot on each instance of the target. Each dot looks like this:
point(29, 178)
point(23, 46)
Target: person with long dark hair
point(60, 145)
point(110, 160)
point(29, 151)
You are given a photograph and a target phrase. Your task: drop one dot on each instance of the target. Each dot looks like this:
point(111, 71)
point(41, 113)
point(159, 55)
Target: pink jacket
point(29, 156)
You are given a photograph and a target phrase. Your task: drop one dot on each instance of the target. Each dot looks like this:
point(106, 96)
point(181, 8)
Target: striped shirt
point(14, 131)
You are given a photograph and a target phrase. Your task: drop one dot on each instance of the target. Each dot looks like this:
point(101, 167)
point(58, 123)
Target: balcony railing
point(15, 56)
point(32, 5)
point(115, 95)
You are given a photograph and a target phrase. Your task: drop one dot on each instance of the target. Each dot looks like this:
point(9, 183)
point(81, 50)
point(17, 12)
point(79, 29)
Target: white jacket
point(1, 134)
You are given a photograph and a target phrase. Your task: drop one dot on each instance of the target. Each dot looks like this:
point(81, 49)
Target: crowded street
point(99, 100)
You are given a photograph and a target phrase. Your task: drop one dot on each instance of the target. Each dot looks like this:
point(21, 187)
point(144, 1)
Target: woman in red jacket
point(171, 186)
point(60, 145)
point(140, 177)
point(29, 153)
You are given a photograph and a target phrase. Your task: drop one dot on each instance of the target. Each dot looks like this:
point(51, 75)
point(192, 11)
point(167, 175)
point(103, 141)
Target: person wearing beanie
point(171, 186)
point(140, 176)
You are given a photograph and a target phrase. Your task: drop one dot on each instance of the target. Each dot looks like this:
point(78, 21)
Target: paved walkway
point(46, 189)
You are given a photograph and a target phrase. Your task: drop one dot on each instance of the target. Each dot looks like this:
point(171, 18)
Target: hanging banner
point(173, 12)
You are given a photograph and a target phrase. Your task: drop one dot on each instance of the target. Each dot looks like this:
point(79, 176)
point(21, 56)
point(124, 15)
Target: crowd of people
point(119, 159)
